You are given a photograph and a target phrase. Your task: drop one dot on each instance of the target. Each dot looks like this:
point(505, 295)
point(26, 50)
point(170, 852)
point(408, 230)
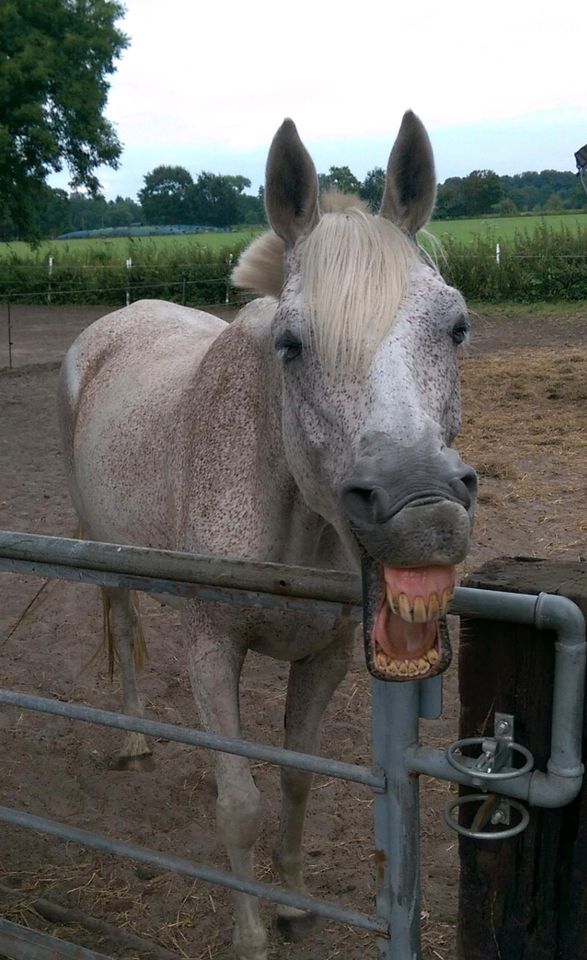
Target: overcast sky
point(206, 84)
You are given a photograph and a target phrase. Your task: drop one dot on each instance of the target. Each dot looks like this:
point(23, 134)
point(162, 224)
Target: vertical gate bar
point(431, 698)
point(395, 709)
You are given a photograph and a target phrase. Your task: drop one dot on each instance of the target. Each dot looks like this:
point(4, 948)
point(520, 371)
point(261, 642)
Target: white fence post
point(128, 269)
point(50, 271)
point(227, 294)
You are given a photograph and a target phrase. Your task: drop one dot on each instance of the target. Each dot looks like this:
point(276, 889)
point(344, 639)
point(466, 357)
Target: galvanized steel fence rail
point(397, 754)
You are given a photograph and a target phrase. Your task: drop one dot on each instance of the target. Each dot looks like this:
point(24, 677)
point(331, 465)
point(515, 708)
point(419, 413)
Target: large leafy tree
point(339, 178)
point(372, 188)
point(216, 200)
point(166, 195)
point(55, 60)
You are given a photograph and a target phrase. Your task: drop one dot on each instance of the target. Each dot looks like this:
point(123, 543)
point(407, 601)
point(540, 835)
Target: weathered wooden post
point(524, 898)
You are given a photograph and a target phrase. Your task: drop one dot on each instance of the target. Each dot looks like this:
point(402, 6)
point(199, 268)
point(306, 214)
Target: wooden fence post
point(523, 898)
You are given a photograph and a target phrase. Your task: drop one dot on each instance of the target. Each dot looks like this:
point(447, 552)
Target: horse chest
point(283, 635)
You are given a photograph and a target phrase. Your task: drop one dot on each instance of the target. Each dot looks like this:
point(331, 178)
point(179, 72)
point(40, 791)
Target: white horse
point(315, 429)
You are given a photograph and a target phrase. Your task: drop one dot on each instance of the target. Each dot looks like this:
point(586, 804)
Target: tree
point(481, 190)
point(372, 188)
point(56, 56)
point(215, 200)
point(339, 178)
point(167, 195)
point(54, 213)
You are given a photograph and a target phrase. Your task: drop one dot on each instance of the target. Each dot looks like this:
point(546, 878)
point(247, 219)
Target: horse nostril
point(465, 486)
point(369, 504)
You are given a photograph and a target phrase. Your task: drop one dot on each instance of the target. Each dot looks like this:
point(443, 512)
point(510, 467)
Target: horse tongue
point(419, 595)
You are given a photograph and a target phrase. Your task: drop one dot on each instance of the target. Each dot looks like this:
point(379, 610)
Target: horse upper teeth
point(420, 612)
point(392, 602)
point(447, 596)
point(417, 611)
point(405, 608)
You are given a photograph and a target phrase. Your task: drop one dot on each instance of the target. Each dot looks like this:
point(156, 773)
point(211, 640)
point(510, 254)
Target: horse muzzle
point(411, 510)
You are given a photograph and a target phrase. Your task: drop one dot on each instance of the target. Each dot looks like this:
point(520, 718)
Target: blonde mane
point(354, 268)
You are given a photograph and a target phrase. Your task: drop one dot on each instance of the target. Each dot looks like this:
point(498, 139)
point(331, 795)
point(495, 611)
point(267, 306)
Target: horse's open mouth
point(406, 637)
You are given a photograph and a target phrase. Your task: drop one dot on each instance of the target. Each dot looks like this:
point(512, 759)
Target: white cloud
point(216, 79)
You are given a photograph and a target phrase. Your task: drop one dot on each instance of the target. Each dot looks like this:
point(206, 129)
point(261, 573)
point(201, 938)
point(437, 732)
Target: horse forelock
point(355, 269)
point(354, 274)
point(261, 265)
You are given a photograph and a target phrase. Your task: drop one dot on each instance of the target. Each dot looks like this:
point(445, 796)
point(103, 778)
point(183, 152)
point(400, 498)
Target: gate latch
point(494, 763)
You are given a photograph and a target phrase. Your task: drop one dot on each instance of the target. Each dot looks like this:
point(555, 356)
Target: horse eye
point(459, 331)
point(288, 346)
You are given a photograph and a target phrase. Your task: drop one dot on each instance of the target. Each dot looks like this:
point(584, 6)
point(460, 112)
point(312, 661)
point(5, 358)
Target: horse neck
point(241, 499)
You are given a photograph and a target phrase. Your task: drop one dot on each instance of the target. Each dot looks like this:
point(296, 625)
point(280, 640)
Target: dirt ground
point(525, 405)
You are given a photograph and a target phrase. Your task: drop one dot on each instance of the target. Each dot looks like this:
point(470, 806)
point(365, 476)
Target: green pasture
point(152, 249)
point(543, 258)
point(117, 249)
point(500, 229)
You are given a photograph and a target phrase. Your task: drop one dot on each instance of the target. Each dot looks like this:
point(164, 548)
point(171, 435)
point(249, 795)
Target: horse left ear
point(291, 186)
point(410, 184)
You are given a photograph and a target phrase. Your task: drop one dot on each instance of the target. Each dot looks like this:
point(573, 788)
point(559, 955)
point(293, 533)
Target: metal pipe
point(563, 781)
point(181, 588)
point(564, 617)
point(395, 709)
point(22, 943)
point(174, 864)
point(286, 581)
point(198, 738)
point(536, 788)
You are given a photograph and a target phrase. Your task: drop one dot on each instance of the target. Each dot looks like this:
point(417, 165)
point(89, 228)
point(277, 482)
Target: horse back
point(122, 388)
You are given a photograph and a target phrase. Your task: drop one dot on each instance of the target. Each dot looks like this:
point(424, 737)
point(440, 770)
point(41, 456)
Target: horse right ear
point(410, 184)
point(291, 186)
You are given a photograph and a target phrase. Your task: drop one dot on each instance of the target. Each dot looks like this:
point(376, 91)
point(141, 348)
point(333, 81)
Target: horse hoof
point(293, 927)
point(143, 763)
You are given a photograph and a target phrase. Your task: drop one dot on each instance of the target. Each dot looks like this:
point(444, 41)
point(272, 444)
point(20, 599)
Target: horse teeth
point(403, 668)
point(394, 667)
point(423, 665)
point(392, 602)
point(381, 660)
point(420, 614)
point(447, 597)
point(413, 668)
point(433, 656)
point(433, 607)
point(405, 608)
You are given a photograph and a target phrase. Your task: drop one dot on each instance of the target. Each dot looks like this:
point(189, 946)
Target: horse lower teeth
point(406, 668)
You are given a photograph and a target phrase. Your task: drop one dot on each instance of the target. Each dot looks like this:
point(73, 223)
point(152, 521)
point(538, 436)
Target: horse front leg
point(215, 662)
point(124, 640)
point(311, 685)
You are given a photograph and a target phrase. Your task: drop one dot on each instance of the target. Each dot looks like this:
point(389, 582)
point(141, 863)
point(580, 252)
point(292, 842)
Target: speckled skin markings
point(184, 432)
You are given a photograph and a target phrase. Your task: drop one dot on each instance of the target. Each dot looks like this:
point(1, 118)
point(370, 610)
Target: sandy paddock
point(525, 403)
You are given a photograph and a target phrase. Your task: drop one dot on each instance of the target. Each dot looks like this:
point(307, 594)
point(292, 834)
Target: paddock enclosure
point(525, 406)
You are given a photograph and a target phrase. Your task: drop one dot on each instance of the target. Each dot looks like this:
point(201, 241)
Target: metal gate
point(396, 752)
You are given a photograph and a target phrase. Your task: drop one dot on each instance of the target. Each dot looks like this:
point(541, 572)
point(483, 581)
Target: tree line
point(57, 58)
point(171, 195)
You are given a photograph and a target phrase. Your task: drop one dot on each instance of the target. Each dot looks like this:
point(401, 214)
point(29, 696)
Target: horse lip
point(408, 502)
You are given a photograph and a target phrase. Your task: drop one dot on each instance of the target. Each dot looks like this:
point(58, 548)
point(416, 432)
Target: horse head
point(366, 332)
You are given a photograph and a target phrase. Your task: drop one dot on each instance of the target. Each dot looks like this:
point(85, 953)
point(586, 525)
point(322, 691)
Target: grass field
point(149, 249)
point(504, 228)
point(119, 248)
